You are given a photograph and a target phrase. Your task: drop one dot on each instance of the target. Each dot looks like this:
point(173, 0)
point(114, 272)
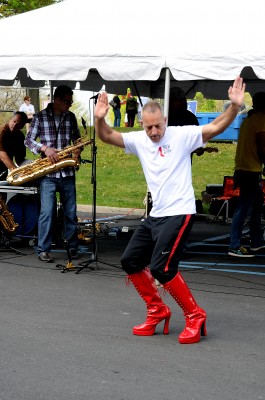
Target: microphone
point(94, 97)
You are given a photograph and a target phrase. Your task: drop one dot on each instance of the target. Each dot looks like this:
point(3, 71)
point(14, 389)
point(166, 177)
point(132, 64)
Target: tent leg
point(166, 94)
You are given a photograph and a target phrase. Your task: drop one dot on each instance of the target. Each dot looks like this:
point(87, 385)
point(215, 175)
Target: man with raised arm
point(156, 246)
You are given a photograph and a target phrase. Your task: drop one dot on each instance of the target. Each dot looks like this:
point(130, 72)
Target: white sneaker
point(257, 248)
point(241, 252)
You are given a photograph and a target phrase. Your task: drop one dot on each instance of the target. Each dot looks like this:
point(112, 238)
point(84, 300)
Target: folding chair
point(229, 193)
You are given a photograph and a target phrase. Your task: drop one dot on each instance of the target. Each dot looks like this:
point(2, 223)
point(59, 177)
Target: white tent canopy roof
point(205, 45)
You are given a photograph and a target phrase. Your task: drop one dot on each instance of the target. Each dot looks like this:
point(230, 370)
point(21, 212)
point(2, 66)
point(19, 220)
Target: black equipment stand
point(6, 244)
point(93, 256)
point(69, 266)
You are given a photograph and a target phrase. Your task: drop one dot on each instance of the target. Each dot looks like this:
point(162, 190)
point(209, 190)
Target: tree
point(205, 105)
point(9, 99)
point(13, 7)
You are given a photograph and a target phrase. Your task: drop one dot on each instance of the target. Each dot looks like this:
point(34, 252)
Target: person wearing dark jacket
point(12, 143)
point(116, 106)
point(131, 110)
point(178, 113)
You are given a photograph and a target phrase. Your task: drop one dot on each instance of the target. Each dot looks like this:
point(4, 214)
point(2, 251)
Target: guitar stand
point(69, 266)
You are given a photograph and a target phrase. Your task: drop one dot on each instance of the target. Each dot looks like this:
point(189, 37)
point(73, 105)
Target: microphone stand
point(93, 257)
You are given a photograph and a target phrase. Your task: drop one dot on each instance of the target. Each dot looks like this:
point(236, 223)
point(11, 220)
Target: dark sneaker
point(45, 257)
point(257, 248)
point(240, 252)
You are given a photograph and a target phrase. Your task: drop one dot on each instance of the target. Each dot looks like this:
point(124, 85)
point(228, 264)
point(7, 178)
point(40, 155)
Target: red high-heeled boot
point(194, 315)
point(157, 311)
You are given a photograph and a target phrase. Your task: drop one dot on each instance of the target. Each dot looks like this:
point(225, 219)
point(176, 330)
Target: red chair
point(229, 193)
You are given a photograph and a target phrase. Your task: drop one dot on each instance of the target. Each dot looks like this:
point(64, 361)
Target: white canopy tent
point(147, 45)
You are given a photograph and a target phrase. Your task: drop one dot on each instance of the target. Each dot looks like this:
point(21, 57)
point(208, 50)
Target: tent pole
point(51, 91)
point(166, 94)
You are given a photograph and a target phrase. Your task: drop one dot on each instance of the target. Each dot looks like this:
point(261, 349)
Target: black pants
point(250, 202)
point(131, 118)
point(159, 243)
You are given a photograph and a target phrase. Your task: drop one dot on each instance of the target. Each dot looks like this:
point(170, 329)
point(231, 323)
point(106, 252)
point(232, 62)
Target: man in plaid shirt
point(51, 130)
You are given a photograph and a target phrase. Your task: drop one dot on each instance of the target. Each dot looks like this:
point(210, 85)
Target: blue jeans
point(48, 188)
point(117, 116)
point(250, 203)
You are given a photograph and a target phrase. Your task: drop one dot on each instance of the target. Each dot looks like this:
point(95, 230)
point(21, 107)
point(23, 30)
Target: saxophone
point(43, 166)
point(6, 218)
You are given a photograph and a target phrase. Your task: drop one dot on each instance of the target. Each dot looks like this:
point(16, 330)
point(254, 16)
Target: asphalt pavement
point(68, 335)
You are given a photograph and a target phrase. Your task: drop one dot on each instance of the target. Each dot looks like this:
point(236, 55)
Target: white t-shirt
point(27, 108)
point(167, 167)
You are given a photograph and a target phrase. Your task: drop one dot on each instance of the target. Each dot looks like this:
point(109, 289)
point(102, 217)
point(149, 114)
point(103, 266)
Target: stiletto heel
point(166, 326)
point(157, 311)
point(203, 329)
point(148, 328)
point(194, 315)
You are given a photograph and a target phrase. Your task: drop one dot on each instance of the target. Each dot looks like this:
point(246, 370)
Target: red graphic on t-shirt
point(161, 152)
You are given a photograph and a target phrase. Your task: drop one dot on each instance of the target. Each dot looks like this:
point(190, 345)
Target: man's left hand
point(236, 92)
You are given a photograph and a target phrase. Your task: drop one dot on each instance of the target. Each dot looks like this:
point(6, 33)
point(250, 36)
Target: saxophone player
point(52, 130)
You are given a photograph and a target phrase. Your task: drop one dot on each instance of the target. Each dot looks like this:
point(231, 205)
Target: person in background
point(156, 246)
point(142, 102)
point(178, 113)
point(116, 106)
point(242, 110)
point(12, 147)
point(28, 109)
point(249, 158)
point(55, 127)
point(131, 110)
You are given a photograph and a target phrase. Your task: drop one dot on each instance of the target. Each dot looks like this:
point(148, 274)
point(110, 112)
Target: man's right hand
point(102, 106)
point(52, 155)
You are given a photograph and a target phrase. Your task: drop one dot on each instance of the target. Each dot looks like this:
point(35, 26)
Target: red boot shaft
point(194, 315)
point(157, 311)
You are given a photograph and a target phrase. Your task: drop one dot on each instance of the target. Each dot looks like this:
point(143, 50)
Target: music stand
point(93, 256)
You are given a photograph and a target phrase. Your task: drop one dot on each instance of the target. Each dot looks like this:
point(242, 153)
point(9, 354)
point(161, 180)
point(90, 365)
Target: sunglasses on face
point(67, 102)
